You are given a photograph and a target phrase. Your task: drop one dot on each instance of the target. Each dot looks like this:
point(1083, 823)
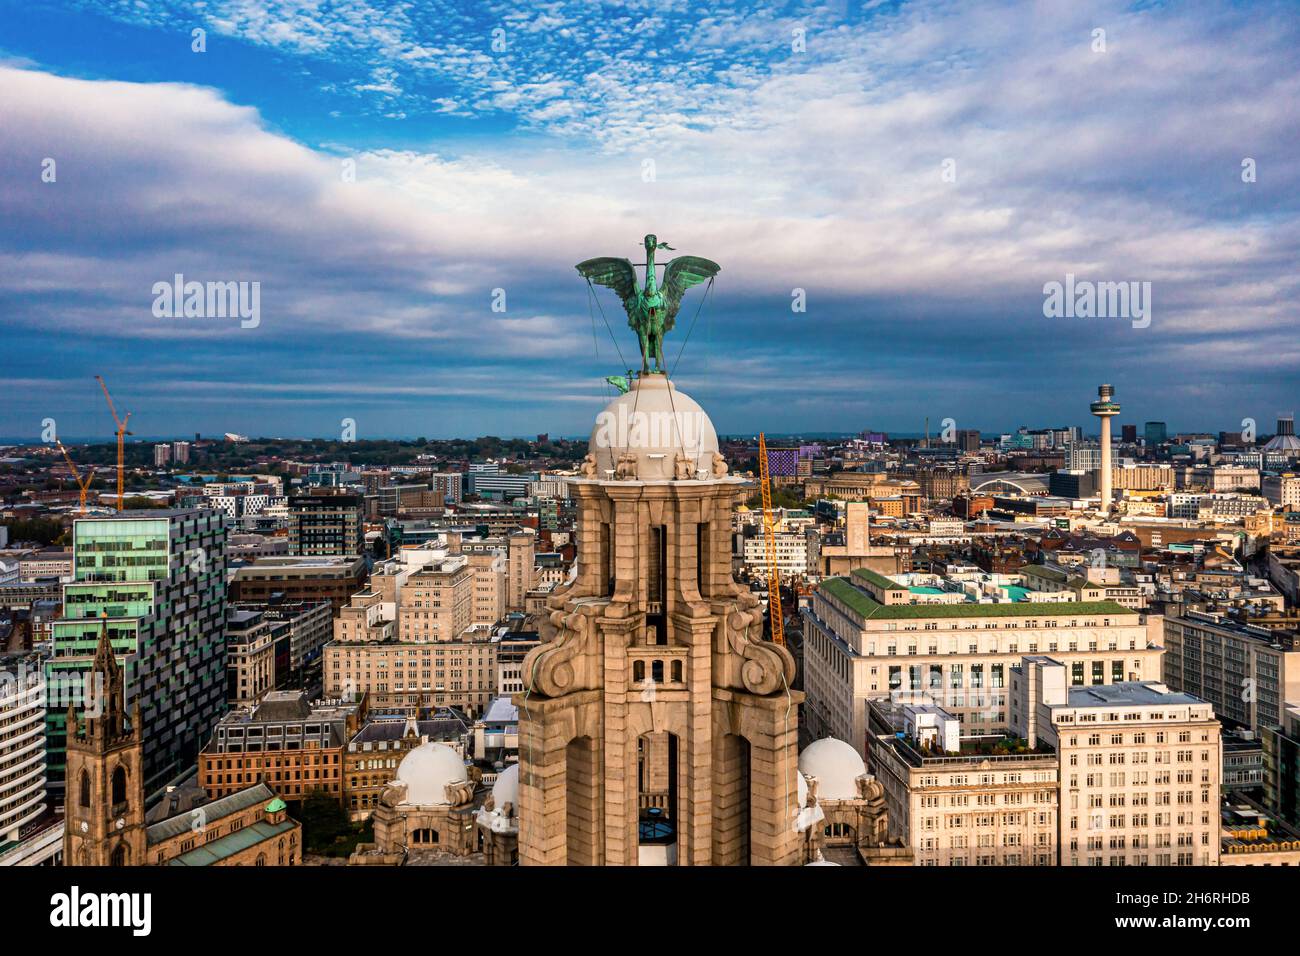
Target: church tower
point(656, 725)
point(104, 812)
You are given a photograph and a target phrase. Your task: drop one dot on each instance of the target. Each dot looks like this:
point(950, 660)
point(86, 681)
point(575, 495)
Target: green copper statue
point(652, 310)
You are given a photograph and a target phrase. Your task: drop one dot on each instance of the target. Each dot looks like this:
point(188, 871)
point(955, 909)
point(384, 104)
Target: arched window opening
point(657, 796)
point(119, 785)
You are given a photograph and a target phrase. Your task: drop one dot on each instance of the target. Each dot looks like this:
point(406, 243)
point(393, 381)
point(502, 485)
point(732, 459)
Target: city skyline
point(915, 176)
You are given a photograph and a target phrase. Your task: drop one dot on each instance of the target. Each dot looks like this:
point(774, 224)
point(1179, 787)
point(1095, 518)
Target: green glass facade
point(157, 579)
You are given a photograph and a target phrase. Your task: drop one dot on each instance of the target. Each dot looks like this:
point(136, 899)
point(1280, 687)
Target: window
point(85, 789)
point(119, 785)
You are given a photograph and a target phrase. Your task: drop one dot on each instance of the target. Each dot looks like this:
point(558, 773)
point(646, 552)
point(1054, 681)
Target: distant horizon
point(532, 437)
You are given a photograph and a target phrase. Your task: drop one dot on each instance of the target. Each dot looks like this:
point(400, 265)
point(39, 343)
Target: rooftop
point(442, 726)
point(862, 603)
point(879, 580)
point(213, 811)
point(227, 846)
point(1138, 693)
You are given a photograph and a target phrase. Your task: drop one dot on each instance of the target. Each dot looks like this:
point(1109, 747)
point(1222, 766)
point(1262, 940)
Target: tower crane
point(769, 534)
point(121, 439)
point(82, 486)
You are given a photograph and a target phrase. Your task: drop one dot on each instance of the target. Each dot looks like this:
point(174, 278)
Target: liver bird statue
point(652, 309)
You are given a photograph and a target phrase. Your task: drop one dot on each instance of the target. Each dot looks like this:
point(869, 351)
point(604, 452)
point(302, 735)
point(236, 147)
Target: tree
point(324, 821)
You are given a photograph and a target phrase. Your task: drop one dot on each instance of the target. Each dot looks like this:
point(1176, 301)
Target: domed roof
point(656, 422)
point(1286, 443)
point(836, 766)
point(427, 770)
point(506, 789)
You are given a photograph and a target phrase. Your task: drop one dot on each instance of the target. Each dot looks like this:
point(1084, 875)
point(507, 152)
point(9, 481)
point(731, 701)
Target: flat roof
point(864, 604)
point(1140, 693)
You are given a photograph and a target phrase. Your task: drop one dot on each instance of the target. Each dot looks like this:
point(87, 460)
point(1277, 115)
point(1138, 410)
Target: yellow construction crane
point(82, 486)
point(121, 439)
point(769, 533)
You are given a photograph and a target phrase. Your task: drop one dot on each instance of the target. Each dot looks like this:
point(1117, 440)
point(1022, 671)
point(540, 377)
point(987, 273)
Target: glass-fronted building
point(156, 581)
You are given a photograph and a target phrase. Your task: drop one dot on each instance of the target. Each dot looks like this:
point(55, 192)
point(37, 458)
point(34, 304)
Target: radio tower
point(1105, 409)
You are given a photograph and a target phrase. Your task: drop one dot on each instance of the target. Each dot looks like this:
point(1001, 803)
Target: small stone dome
point(656, 422)
point(506, 789)
point(836, 766)
point(427, 770)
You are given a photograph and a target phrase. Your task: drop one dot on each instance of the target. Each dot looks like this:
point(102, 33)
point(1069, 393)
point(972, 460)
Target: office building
point(326, 525)
point(866, 637)
point(294, 578)
point(1282, 491)
point(253, 643)
point(449, 483)
point(500, 485)
point(1247, 672)
point(291, 745)
point(791, 555)
point(407, 641)
point(22, 747)
point(1282, 766)
point(154, 581)
point(1140, 766)
point(977, 802)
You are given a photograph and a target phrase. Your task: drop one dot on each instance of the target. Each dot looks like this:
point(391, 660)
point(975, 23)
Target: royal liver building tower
point(656, 726)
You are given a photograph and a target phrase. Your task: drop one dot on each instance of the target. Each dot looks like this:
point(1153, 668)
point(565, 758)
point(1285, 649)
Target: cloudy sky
point(919, 170)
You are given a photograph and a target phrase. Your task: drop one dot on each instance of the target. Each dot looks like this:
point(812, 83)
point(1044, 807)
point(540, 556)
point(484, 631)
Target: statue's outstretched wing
point(682, 273)
point(616, 274)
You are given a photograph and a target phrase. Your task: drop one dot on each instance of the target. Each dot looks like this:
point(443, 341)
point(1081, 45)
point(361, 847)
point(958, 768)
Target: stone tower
point(656, 725)
point(104, 811)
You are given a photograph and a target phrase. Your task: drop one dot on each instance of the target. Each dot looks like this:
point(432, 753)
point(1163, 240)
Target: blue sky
point(802, 146)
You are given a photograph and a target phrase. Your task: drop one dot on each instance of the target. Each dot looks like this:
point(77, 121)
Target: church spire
point(104, 698)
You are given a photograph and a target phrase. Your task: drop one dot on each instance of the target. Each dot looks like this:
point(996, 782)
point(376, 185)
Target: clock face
point(84, 826)
point(120, 823)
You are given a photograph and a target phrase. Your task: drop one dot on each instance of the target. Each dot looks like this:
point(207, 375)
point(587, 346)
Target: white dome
point(427, 770)
point(836, 766)
point(506, 789)
point(657, 422)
